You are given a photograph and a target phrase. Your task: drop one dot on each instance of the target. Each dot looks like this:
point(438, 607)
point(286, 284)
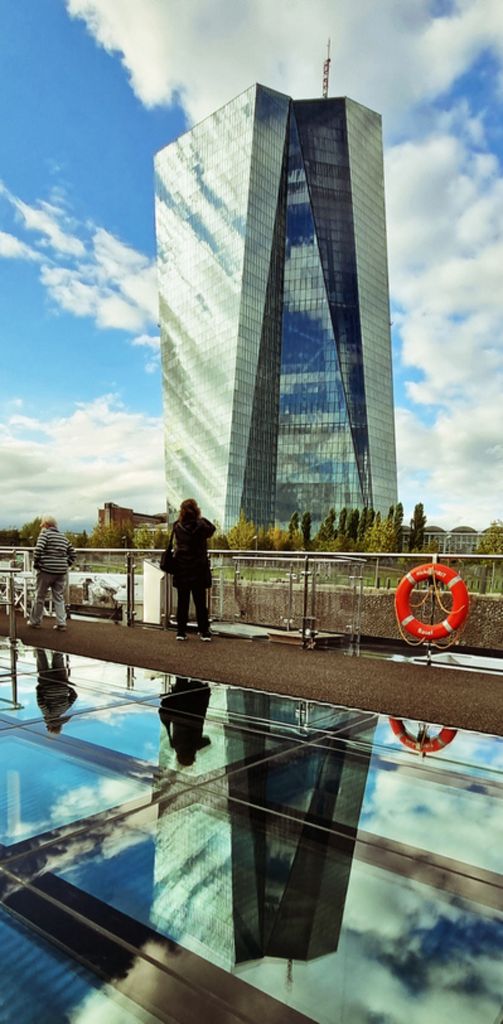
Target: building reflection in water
point(270, 877)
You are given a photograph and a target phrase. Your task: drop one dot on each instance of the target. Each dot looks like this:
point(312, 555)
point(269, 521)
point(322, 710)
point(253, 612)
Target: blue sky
point(92, 88)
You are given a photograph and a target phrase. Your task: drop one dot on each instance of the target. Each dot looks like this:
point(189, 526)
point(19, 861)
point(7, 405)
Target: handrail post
point(313, 592)
point(166, 600)
point(12, 609)
point(11, 591)
point(308, 631)
point(290, 597)
point(221, 580)
point(304, 607)
point(130, 567)
point(13, 639)
point(357, 588)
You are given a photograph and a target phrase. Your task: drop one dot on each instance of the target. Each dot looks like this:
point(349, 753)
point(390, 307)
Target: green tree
point(9, 537)
point(417, 525)
point(264, 542)
point(294, 534)
point(242, 536)
point(219, 541)
point(29, 532)
point(293, 525)
point(343, 542)
point(381, 535)
point(363, 526)
point(326, 533)
point(491, 542)
point(398, 526)
point(161, 538)
point(352, 524)
point(305, 527)
point(143, 538)
point(280, 540)
point(114, 536)
point(79, 540)
point(341, 526)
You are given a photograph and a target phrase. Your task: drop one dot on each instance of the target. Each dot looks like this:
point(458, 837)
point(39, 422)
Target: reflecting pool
point(175, 849)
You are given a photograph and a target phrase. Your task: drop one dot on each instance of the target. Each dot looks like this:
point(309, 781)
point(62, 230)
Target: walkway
point(464, 700)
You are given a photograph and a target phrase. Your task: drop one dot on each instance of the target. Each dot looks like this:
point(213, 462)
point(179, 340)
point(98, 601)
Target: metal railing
point(231, 571)
point(303, 578)
point(483, 574)
point(8, 599)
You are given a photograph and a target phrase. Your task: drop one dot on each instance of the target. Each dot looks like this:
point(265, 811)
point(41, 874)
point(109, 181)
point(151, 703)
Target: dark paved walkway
point(466, 700)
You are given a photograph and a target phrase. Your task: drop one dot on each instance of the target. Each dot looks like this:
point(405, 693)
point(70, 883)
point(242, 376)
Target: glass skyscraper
point(274, 310)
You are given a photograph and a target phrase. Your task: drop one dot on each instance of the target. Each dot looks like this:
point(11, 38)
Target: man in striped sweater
point(55, 696)
point(52, 556)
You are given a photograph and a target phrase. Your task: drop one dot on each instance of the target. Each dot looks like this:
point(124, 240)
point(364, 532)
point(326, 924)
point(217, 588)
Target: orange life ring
point(457, 615)
point(444, 737)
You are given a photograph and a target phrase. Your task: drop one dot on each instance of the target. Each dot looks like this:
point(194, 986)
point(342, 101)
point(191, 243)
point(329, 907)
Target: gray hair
point(48, 521)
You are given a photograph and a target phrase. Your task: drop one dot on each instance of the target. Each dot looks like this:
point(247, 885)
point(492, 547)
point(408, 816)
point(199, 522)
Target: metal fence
point(127, 585)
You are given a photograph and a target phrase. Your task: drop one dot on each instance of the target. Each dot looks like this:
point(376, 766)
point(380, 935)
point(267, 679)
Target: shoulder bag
point(167, 563)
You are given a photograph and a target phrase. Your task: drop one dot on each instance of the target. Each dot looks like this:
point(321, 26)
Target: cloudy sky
point(92, 88)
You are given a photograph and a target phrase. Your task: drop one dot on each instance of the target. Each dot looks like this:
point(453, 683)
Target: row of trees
point(121, 536)
point(350, 530)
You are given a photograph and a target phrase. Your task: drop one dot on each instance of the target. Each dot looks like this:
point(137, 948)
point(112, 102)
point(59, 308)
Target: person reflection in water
point(54, 694)
point(182, 712)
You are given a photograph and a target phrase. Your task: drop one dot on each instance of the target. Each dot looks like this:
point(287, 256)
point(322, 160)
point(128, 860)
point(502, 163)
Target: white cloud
point(147, 341)
point(206, 52)
point(115, 258)
point(115, 285)
point(13, 248)
point(69, 291)
point(90, 273)
point(47, 220)
point(454, 466)
point(423, 810)
point(445, 230)
point(73, 464)
point(153, 346)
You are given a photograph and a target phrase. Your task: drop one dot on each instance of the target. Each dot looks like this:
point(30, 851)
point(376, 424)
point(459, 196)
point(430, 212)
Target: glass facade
point(274, 310)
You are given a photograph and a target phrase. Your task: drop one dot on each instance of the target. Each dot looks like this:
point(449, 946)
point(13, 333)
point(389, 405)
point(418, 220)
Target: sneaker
point(205, 636)
point(33, 625)
point(181, 636)
point(59, 627)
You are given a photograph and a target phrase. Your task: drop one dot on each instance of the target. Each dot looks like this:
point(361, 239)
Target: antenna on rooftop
point(326, 72)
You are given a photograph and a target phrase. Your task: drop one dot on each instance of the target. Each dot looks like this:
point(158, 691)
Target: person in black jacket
point(192, 570)
point(182, 712)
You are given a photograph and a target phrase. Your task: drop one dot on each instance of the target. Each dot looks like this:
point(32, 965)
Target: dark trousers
point(198, 591)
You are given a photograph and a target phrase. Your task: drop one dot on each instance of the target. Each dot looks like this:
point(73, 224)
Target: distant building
point(116, 515)
point(462, 540)
point(274, 310)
